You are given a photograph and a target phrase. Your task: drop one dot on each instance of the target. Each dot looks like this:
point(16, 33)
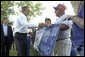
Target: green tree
point(7, 7)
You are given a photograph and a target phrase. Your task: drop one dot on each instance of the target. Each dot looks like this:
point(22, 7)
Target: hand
point(41, 24)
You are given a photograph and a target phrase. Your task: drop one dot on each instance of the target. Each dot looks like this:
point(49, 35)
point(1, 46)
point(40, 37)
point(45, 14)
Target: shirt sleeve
point(60, 20)
point(23, 21)
point(68, 23)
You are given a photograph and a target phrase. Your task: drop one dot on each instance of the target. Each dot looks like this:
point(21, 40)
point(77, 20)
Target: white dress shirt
point(5, 29)
point(21, 25)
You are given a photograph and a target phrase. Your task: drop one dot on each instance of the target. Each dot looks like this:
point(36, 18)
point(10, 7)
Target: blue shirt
point(78, 33)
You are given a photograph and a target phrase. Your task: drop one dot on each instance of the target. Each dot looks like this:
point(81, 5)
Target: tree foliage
point(7, 7)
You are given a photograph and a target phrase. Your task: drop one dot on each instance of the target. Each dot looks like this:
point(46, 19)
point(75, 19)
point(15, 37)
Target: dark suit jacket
point(9, 34)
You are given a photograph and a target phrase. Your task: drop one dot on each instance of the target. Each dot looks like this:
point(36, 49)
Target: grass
point(13, 51)
point(33, 52)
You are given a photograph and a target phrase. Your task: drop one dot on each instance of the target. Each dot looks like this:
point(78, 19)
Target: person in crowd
point(63, 43)
point(20, 31)
point(39, 32)
point(6, 37)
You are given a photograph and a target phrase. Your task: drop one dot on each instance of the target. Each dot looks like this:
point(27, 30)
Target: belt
point(21, 33)
point(62, 39)
point(6, 36)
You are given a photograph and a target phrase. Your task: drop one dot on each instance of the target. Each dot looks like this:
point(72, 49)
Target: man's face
point(58, 12)
point(27, 11)
point(5, 21)
point(48, 23)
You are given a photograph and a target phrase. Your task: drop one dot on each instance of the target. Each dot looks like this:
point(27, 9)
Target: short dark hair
point(24, 7)
point(47, 19)
point(5, 18)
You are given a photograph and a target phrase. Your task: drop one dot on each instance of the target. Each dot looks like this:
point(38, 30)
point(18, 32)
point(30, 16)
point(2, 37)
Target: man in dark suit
point(6, 37)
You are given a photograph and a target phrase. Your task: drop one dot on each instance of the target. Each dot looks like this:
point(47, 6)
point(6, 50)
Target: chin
point(56, 15)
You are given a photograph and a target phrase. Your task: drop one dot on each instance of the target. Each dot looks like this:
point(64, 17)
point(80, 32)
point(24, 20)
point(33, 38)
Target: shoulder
point(67, 22)
point(1, 24)
point(9, 26)
point(21, 16)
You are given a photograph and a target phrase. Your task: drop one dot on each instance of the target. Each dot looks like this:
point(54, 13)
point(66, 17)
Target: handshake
point(40, 25)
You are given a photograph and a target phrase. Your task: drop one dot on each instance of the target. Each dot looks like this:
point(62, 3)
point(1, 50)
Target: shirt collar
point(23, 14)
point(4, 24)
